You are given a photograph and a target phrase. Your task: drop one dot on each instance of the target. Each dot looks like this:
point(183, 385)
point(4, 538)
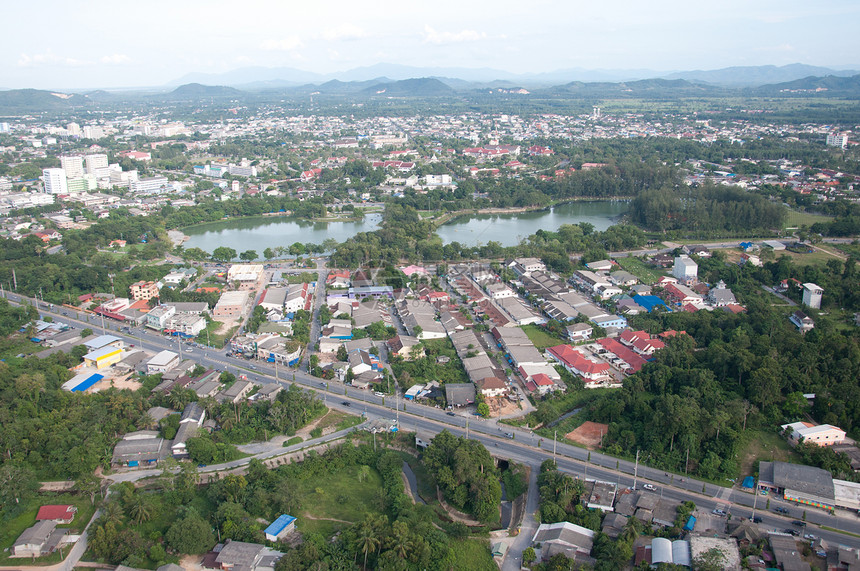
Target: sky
point(53, 44)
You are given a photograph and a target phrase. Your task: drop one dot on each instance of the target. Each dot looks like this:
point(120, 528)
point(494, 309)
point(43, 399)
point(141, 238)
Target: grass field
point(796, 219)
point(646, 274)
point(339, 420)
point(339, 501)
point(473, 555)
point(541, 337)
point(11, 529)
point(767, 446)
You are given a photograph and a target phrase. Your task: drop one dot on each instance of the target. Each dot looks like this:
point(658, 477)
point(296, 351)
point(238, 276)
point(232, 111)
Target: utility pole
point(687, 462)
point(755, 498)
point(467, 429)
point(636, 469)
point(554, 441)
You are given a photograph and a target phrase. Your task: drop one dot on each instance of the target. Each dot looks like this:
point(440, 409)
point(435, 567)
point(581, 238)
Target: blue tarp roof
point(649, 302)
point(279, 524)
point(691, 523)
point(88, 382)
point(749, 482)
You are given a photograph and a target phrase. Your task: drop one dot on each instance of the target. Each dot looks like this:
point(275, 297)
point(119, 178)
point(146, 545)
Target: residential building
point(143, 290)
point(191, 420)
point(231, 304)
point(162, 362)
point(837, 139)
point(248, 275)
point(685, 269)
point(104, 357)
point(62, 514)
point(35, 541)
point(55, 181)
point(576, 363)
point(812, 295)
point(721, 296)
point(141, 448)
point(821, 435)
point(802, 321)
point(571, 540)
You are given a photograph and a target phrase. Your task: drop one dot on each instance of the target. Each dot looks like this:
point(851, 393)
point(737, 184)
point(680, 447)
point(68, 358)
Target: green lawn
point(11, 529)
point(473, 555)
point(796, 219)
point(541, 337)
point(339, 497)
point(636, 266)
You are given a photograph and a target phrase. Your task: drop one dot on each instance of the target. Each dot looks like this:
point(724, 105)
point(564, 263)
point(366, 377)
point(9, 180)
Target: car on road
point(780, 510)
point(322, 384)
point(449, 413)
point(793, 532)
point(252, 367)
point(809, 536)
point(718, 511)
point(379, 394)
point(189, 350)
point(798, 522)
point(755, 519)
point(346, 403)
point(649, 487)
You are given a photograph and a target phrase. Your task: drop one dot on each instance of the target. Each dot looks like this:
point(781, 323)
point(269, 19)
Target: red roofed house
point(57, 513)
point(631, 362)
point(136, 155)
point(640, 341)
point(576, 363)
point(542, 384)
point(492, 386)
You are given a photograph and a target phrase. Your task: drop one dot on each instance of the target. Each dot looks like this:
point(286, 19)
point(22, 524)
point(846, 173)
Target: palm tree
point(368, 539)
point(399, 540)
point(140, 510)
point(113, 513)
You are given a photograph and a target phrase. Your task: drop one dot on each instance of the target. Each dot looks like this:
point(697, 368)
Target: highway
point(525, 447)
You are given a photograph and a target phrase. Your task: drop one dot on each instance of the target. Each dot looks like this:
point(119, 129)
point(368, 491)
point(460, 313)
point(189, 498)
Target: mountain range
point(830, 85)
point(255, 78)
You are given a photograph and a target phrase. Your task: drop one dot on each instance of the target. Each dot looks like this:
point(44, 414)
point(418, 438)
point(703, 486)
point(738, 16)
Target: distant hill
point(198, 91)
point(25, 100)
point(753, 76)
point(641, 88)
point(335, 86)
point(828, 85)
point(419, 87)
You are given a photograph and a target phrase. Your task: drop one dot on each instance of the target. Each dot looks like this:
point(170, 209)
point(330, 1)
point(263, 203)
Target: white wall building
point(73, 165)
point(685, 269)
point(55, 181)
point(96, 161)
point(812, 295)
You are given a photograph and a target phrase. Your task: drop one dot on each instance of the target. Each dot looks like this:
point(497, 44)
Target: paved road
point(526, 447)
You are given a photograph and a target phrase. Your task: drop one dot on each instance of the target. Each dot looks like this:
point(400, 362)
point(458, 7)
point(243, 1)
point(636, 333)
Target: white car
point(649, 487)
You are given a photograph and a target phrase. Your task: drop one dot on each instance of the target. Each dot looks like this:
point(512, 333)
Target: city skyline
point(117, 45)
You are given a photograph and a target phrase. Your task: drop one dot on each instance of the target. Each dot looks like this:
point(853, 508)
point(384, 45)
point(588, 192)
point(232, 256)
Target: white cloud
point(287, 44)
point(432, 36)
point(343, 32)
point(35, 60)
point(115, 59)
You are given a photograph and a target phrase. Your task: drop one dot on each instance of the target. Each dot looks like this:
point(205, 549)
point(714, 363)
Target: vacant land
point(541, 337)
point(472, 555)
point(343, 499)
point(767, 446)
point(589, 434)
point(796, 219)
point(636, 266)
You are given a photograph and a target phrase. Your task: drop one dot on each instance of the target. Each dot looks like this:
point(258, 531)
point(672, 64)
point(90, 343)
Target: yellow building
point(104, 357)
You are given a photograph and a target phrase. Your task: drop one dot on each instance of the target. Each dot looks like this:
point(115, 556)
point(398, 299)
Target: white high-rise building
point(73, 165)
point(685, 269)
point(74, 130)
point(96, 161)
point(837, 140)
point(55, 181)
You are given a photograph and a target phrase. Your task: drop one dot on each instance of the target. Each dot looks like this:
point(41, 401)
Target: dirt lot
point(588, 434)
point(125, 382)
point(501, 406)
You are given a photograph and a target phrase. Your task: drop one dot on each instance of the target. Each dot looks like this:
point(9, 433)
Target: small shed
point(280, 528)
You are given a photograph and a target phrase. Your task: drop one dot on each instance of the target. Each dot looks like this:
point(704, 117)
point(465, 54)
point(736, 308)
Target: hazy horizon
point(108, 45)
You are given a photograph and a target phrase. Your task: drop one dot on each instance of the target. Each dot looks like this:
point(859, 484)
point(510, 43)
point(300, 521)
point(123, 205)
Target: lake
point(260, 233)
point(510, 229)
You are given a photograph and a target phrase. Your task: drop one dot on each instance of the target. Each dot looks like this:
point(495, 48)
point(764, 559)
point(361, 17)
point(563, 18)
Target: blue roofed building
point(280, 528)
point(649, 302)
